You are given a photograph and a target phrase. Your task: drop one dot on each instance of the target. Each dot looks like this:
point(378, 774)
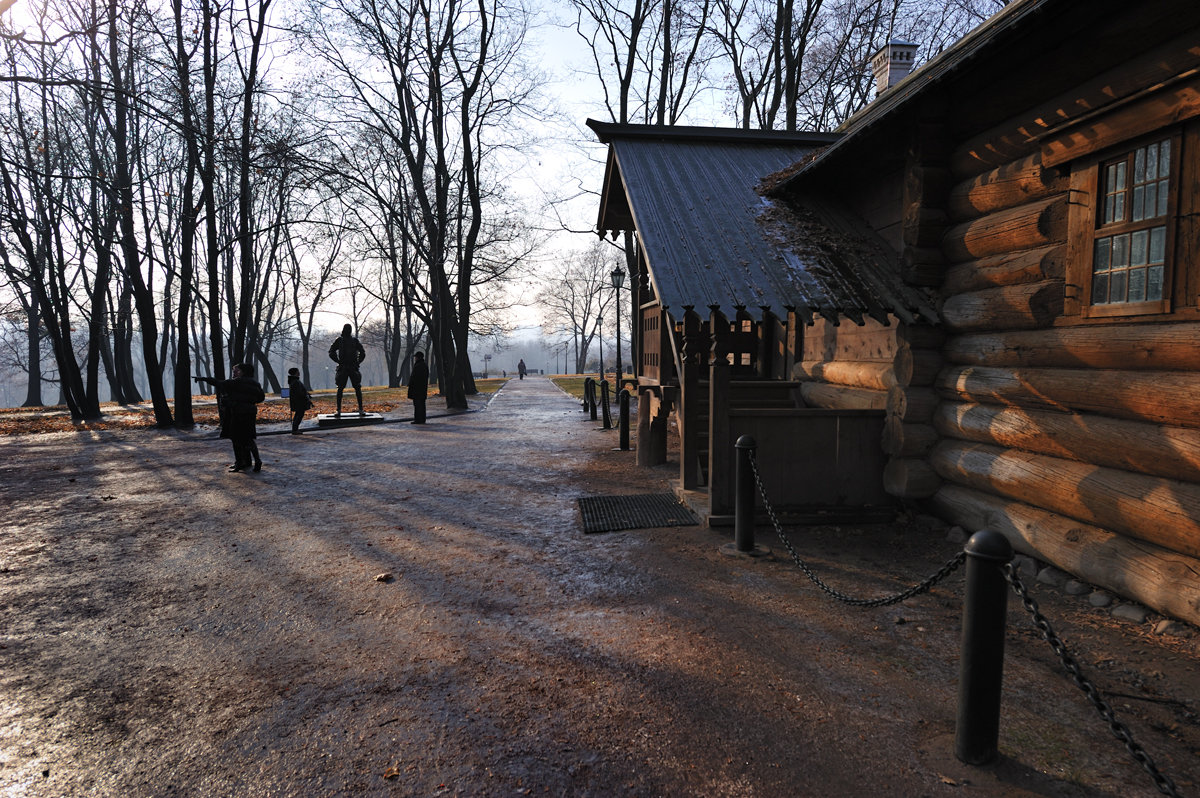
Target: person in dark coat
point(418, 387)
point(239, 398)
point(348, 353)
point(521, 368)
point(299, 399)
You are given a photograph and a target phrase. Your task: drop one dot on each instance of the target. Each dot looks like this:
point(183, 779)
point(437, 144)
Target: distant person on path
point(418, 387)
point(240, 397)
point(299, 399)
point(521, 368)
point(348, 353)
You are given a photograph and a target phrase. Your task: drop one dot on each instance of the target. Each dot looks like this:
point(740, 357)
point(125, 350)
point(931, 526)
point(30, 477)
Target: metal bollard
point(743, 506)
point(589, 396)
point(981, 667)
point(624, 420)
point(605, 404)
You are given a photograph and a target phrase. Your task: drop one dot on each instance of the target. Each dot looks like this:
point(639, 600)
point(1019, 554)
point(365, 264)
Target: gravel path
point(400, 610)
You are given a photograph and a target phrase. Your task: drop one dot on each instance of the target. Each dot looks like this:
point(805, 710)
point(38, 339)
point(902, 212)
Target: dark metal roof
point(713, 241)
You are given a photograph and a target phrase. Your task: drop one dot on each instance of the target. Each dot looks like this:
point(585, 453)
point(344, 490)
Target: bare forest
point(190, 184)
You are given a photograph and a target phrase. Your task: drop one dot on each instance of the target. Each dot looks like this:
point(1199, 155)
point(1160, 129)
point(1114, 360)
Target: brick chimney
point(893, 61)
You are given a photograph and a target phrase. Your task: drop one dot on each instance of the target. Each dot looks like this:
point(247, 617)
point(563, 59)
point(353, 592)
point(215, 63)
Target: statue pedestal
point(353, 419)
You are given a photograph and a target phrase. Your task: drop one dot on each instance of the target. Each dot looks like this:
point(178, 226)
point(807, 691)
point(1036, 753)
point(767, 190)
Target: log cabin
point(979, 298)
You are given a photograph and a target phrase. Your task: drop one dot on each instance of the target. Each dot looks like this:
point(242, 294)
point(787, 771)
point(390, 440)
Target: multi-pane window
point(1129, 259)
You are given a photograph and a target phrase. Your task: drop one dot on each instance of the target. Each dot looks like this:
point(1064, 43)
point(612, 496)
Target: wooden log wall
point(1080, 442)
point(1152, 575)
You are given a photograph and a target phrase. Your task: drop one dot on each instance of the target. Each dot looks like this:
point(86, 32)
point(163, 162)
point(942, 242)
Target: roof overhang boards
point(615, 215)
point(711, 239)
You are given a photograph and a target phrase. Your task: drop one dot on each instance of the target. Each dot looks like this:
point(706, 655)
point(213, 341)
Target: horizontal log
point(914, 405)
point(1010, 307)
point(916, 366)
point(1159, 511)
point(924, 226)
point(1029, 226)
point(1163, 397)
point(907, 440)
point(1010, 268)
point(924, 266)
point(1008, 186)
point(1172, 347)
point(1018, 136)
point(1154, 449)
point(839, 397)
point(1162, 580)
point(1173, 104)
point(920, 336)
point(910, 478)
point(855, 374)
point(870, 341)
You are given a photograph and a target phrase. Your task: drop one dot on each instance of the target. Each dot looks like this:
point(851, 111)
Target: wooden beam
point(840, 397)
point(1008, 186)
point(1017, 137)
point(1159, 511)
point(1008, 268)
point(1035, 224)
point(910, 478)
point(1169, 347)
point(1162, 580)
point(1136, 446)
point(1163, 397)
point(1168, 106)
point(1010, 307)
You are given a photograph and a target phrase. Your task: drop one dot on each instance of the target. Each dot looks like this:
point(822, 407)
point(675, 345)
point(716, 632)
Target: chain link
point(1119, 729)
point(951, 565)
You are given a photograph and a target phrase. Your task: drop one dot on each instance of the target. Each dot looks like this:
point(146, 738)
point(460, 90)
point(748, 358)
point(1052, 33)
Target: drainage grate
point(611, 513)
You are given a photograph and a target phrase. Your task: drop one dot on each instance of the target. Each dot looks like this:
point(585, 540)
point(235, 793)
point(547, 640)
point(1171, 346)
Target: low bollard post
point(624, 420)
point(743, 507)
point(604, 403)
point(981, 666)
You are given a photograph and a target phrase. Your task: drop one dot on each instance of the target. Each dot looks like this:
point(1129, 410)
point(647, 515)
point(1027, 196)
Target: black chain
point(951, 565)
point(1119, 729)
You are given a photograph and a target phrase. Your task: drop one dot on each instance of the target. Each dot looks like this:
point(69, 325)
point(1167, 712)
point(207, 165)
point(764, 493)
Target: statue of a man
point(347, 352)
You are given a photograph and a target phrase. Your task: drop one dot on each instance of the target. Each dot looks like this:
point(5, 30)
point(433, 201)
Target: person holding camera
point(239, 398)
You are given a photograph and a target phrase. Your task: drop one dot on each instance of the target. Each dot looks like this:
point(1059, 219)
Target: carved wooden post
point(720, 447)
point(689, 401)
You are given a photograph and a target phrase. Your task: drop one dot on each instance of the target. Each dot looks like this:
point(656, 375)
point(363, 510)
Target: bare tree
point(576, 301)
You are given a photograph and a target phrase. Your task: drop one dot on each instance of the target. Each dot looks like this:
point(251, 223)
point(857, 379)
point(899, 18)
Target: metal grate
point(612, 513)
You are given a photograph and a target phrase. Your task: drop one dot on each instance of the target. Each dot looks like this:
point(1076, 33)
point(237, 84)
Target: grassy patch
point(574, 385)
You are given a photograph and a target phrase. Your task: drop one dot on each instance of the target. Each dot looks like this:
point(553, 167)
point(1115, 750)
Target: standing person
point(418, 387)
point(299, 399)
point(521, 368)
point(239, 397)
point(348, 353)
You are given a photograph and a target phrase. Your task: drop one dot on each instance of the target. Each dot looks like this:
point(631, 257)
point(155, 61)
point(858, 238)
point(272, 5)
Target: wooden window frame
point(1086, 228)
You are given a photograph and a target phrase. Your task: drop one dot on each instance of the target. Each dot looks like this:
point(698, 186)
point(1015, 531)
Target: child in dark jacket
point(299, 399)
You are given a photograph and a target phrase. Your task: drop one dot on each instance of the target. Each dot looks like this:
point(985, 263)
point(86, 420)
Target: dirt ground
point(399, 610)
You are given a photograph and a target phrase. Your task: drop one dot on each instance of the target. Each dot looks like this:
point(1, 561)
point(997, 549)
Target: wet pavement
point(415, 610)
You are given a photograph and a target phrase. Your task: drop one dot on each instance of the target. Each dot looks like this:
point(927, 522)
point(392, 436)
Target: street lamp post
point(618, 279)
point(486, 362)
